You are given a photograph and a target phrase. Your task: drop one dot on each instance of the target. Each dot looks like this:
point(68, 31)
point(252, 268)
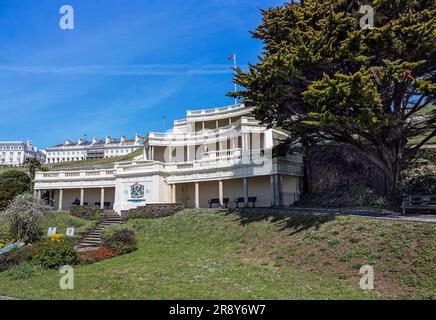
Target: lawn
point(88, 163)
point(206, 254)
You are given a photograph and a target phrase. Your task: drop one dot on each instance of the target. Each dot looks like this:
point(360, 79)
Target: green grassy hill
point(88, 163)
point(204, 254)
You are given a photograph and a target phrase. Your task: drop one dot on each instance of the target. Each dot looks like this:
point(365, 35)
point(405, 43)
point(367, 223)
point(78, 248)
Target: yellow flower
point(57, 237)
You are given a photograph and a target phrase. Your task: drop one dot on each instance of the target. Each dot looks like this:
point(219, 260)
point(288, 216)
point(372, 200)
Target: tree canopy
point(324, 78)
point(12, 183)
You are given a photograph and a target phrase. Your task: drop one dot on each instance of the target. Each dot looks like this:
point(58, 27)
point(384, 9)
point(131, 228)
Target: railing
point(210, 135)
point(216, 110)
point(74, 174)
point(210, 160)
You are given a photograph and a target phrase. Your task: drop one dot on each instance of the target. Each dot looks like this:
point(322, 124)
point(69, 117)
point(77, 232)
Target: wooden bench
point(252, 200)
point(419, 202)
point(217, 202)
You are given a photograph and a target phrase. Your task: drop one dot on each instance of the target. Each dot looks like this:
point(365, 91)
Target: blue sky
point(126, 64)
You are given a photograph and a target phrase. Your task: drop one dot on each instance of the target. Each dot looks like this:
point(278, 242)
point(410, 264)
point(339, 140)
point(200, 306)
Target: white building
point(95, 149)
point(13, 153)
point(221, 154)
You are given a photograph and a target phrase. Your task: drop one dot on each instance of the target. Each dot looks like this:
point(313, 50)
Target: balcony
point(217, 113)
point(245, 124)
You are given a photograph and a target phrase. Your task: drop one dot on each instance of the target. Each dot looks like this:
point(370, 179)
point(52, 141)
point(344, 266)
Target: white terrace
point(221, 154)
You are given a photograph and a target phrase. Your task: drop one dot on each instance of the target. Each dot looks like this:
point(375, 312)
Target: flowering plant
point(57, 237)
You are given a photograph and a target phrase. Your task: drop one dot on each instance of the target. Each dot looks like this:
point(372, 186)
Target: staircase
point(92, 240)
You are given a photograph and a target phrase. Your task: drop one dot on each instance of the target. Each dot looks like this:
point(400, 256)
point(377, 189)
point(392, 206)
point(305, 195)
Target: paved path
point(7, 298)
point(375, 214)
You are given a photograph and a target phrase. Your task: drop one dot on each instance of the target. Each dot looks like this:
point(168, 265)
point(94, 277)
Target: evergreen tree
point(324, 78)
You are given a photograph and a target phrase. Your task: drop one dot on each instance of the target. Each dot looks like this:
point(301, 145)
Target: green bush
point(342, 199)
point(84, 212)
point(119, 238)
point(23, 271)
point(23, 216)
point(52, 255)
point(153, 211)
point(12, 183)
point(13, 258)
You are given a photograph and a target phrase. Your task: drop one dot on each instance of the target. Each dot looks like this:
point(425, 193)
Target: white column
point(271, 182)
point(243, 141)
point(173, 193)
point(102, 199)
point(216, 124)
point(221, 193)
point(246, 192)
point(197, 195)
point(152, 153)
point(82, 196)
point(203, 125)
point(170, 149)
point(61, 199)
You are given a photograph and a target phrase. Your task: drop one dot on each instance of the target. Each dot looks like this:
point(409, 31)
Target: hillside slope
point(205, 254)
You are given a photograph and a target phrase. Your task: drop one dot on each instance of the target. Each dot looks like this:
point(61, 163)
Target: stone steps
point(93, 239)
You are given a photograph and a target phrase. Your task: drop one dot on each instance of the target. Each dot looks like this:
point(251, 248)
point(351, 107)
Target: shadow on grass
point(294, 222)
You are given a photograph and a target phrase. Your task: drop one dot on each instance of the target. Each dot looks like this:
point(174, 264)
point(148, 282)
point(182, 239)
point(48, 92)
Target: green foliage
point(52, 255)
point(24, 216)
point(85, 212)
point(323, 78)
point(13, 258)
point(154, 211)
point(12, 183)
point(343, 198)
point(23, 271)
point(119, 238)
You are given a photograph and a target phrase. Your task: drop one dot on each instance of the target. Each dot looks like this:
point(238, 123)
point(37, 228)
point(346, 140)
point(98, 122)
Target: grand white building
point(221, 154)
point(13, 153)
point(95, 149)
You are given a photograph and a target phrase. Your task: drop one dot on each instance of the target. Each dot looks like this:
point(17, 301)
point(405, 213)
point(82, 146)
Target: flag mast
point(235, 65)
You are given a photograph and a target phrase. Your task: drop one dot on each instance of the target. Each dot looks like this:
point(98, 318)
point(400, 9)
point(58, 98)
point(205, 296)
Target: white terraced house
point(95, 149)
point(214, 157)
point(14, 153)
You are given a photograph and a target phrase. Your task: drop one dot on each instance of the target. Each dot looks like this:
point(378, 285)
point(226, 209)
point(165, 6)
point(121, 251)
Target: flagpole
point(235, 64)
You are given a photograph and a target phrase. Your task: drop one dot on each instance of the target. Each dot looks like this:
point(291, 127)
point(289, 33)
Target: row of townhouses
point(95, 149)
point(213, 157)
point(14, 153)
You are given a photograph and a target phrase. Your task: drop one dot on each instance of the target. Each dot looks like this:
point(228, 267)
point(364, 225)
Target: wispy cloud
point(123, 70)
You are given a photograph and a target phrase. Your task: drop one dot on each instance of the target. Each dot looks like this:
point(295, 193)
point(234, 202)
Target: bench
point(106, 205)
point(217, 202)
point(420, 202)
point(251, 200)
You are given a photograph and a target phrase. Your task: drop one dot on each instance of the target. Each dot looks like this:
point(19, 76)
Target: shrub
point(85, 212)
point(13, 258)
point(344, 198)
point(12, 183)
point(23, 271)
point(119, 238)
point(52, 255)
point(23, 216)
point(101, 254)
point(153, 211)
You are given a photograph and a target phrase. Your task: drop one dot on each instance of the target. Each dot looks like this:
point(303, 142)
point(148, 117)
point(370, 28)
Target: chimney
point(123, 139)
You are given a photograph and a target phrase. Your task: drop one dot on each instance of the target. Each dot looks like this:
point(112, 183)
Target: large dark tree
point(324, 78)
point(12, 183)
